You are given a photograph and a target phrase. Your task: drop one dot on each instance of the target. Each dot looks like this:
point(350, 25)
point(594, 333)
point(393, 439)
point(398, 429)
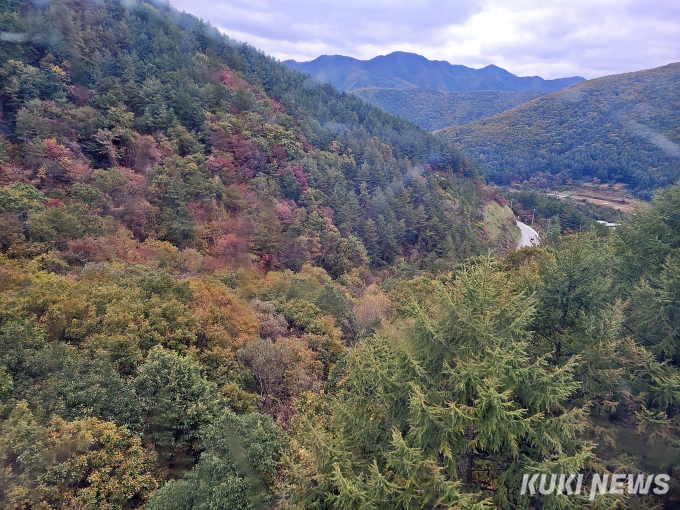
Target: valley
point(435, 109)
point(230, 282)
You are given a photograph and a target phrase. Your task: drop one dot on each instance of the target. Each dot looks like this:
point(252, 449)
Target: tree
point(267, 239)
point(236, 470)
point(373, 306)
point(370, 238)
point(575, 280)
point(87, 464)
point(649, 251)
point(282, 370)
point(177, 402)
point(224, 321)
point(349, 452)
point(653, 311)
point(60, 381)
point(465, 400)
point(492, 404)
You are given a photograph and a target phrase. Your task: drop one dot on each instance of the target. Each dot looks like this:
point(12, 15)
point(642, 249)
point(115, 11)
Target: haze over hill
point(436, 109)
point(402, 70)
point(619, 128)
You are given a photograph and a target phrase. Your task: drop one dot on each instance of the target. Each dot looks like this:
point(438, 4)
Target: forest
point(436, 109)
point(225, 286)
point(616, 129)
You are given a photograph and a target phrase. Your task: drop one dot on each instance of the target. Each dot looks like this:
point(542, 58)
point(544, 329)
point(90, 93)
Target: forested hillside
point(434, 109)
point(152, 118)
point(560, 359)
point(403, 70)
point(191, 236)
point(621, 128)
point(224, 287)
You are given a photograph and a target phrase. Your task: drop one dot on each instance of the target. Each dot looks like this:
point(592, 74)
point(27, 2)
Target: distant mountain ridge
point(402, 70)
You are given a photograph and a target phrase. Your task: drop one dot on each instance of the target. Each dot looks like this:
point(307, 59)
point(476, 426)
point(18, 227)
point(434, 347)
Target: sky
point(547, 38)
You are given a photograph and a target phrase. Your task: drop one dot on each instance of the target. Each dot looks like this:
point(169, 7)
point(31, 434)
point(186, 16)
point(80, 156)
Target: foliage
point(84, 464)
point(235, 157)
point(472, 398)
point(617, 129)
point(236, 470)
point(177, 402)
point(229, 287)
point(650, 251)
point(438, 109)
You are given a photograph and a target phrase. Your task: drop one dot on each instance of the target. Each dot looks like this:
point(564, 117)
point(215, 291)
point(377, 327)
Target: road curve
point(527, 234)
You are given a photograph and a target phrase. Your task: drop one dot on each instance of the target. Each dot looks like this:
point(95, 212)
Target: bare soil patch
point(616, 196)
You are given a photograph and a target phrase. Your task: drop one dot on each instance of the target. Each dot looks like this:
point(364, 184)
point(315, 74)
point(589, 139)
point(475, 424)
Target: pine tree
point(654, 311)
point(575, 280)
point(357, 457)
point(364, 174)
point(364, 197)
point(419, 222)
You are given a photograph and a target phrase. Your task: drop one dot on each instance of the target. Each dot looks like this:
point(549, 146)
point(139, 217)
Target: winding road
point(529, 236)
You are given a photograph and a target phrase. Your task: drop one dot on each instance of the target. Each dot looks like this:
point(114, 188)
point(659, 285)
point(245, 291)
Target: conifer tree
point(575, 281)
point(451, 418)
point(370, 239)
point(490, 407)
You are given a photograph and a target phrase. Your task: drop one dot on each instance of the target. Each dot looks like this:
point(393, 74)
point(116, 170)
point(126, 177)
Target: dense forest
point(153, 119)
point(225, 287)
point(152, 170)
point(435, 109)
point(617, 129)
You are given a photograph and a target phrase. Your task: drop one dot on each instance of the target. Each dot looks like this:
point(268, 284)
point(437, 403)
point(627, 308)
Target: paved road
point(527, 234)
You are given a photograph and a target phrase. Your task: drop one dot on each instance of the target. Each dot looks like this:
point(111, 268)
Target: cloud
point(661, 141)
point(552, 39)
point(12, 37)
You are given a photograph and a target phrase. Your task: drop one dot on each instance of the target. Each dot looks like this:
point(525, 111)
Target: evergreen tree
point(575, 280)
point(465, 406)
point(236, 470)
point(370, 238)
point(492, 408)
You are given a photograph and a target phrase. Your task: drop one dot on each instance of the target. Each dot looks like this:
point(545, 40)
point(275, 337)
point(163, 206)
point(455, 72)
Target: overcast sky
point(547, 38)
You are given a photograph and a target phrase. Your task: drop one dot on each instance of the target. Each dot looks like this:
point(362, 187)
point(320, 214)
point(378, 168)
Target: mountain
point(190, 238)
point(402, 70)
point(619, 129)
point(234, 133)
point(431, 94)
point(223, 285)
point(434, 109)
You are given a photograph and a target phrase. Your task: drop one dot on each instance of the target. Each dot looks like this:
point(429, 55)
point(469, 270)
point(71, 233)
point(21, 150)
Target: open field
point(616, 196)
